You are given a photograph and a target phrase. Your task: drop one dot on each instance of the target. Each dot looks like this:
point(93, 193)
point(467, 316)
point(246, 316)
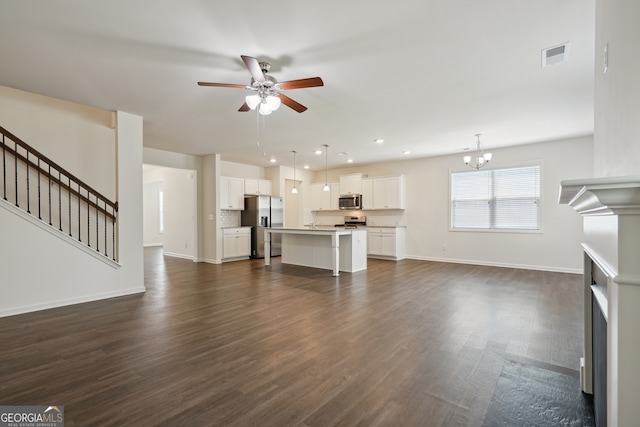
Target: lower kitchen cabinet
point(236, 243)
point(386, 242)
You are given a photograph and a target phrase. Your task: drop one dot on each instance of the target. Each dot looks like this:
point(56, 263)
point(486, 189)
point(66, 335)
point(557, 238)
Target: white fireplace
point(611, 217)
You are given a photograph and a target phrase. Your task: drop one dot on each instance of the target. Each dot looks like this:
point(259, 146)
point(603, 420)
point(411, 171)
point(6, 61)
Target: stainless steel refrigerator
point(261, 212)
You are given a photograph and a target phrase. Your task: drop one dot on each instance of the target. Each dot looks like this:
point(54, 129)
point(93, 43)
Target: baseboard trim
point(175, 255)
point(152, 245)
point(69, 301)
point(499, 264)
point(212, 261)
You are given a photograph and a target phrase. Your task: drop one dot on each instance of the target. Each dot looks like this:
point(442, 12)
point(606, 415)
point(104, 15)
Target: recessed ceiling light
point(306, 166)
point(406, 152)
point(272, 160)
point(378, 140)
point(317, 152)
point(350, 161)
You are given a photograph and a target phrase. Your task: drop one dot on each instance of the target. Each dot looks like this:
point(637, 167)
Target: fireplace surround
point(610, 208)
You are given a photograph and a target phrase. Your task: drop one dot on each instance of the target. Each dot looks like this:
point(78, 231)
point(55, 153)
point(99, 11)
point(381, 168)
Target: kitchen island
point(333, 248)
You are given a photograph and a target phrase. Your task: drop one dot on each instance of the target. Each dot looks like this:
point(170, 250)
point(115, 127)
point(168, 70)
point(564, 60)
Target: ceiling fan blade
point(301, 83)
point(222, 85)
point(254, 68)
point(244, 108)
point(292, 104)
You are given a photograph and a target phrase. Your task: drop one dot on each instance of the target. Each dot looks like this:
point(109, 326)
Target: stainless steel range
point(353, 222)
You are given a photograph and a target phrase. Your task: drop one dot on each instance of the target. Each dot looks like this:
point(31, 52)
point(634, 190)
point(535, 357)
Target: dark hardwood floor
point(408, 343)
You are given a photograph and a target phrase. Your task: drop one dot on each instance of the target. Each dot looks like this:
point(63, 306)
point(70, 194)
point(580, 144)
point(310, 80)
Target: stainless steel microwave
point(350, 201)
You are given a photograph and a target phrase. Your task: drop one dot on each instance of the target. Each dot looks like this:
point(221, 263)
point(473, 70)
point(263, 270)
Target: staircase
point(38, 186)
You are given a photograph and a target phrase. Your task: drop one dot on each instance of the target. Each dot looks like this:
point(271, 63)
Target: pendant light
point(294, 190)
point(326, 168)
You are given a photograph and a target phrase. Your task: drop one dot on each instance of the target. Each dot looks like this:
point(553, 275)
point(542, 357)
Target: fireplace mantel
point(610, 208)
point(602, 196)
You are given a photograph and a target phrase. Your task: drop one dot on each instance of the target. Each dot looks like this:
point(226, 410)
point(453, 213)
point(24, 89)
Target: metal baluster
point(88, 218)
point(39, 213)
point(4, 170)
point(106, 250)
point(97, 224)
point(60, 199)
point(69, 206)
point(113, 232)
point(50, 195)
point(16, 167)
point(79, 216)
point(28, 198)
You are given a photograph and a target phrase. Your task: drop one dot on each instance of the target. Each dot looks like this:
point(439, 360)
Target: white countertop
point(319, 229)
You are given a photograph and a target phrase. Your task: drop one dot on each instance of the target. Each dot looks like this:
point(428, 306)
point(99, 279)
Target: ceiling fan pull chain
point(257, 130)
point(264, 153)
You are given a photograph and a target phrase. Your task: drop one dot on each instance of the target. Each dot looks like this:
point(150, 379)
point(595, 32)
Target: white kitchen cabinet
point(388, 192)
point(351, 184)
point(386, 242)
point(367, 193)
point(231, 193)
point(322, 200)
point(257, 186)
point(236, 242)
point(334, 194)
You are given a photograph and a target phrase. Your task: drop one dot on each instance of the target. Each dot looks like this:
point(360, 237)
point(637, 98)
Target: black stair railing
point(63, 200)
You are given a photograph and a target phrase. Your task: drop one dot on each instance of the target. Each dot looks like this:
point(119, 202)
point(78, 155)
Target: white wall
point(40, 269)
point(240, 170)
point(556, 248)
point(617, 92)
point(81, 139)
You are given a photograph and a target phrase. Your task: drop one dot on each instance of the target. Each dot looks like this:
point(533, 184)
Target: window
point(496, 199)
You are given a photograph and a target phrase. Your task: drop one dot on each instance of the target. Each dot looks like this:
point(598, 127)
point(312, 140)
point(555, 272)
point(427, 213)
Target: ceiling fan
point(268, 90)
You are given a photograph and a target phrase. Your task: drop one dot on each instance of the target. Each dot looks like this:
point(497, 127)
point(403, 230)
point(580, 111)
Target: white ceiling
point(424, 75)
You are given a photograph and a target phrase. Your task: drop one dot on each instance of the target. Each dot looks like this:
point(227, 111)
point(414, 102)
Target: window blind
point(507, 199)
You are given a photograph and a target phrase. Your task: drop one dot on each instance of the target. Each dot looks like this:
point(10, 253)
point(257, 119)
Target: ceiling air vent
point(555, 54)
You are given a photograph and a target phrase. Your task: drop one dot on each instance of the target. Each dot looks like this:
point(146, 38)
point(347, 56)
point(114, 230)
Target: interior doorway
point(169, 210)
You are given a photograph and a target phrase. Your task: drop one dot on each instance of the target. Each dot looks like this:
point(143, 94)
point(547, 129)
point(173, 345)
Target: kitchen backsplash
point(229, 218)
point(377, 218)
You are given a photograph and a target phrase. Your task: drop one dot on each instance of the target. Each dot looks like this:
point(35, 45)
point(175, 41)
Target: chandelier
point(481, 158)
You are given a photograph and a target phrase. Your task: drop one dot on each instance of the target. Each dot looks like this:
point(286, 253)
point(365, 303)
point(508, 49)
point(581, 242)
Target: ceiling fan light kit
point(269, 94)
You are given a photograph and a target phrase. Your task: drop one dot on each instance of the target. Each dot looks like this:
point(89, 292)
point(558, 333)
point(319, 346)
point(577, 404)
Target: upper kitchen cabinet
point(367, 193)
point(257, 186)
point(351, 184)
point(334, 195)
point(320, 199)
point(387, 193)
point(231, 193)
